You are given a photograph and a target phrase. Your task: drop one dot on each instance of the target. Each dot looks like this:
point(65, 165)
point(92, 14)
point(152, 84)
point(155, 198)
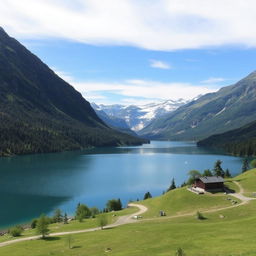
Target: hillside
point(227, 229)
point(39, 112)
point(241, 141)
point(229, 108)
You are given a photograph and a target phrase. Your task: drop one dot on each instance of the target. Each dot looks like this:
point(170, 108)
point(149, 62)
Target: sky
point(138, 51)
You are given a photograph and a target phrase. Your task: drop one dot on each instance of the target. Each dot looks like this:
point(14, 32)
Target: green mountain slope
point(241, 141)
point(39, 112)
point(227, 109)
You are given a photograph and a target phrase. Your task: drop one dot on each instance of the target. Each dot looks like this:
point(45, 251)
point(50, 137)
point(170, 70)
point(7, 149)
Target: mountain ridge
point(40, 112)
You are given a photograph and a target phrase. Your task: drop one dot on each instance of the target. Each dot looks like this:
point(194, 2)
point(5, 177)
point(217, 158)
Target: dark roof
point(211, 179)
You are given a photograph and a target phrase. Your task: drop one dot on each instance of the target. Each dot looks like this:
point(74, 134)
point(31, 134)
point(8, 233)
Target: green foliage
point(180, 252)
point(94, 211)
point(102, 220)
point(227, 174)
point(69, 241)
point(218, 171)
point(114, 205)
point(57, 217)
point(207, 172)
point(193, 174)
point(16, 231)
point(200, 216)
point(147, 196)
point(33, 223)
point(245, 166)
point(42, 226)
point(82, 212)
point(253, 163)
point(65, 218)
point(172, 186)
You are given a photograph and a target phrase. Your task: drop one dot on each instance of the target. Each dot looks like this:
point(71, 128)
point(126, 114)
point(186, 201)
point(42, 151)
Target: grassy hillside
point(224, 232)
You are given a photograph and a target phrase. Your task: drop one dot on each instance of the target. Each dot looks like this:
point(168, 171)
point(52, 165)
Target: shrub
point(200, 216)
point(33, 223)
point(16, 231)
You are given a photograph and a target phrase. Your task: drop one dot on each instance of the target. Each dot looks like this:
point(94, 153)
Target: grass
point(228, 232)
point(247, 181)
point(181, 201)
point(73, 225)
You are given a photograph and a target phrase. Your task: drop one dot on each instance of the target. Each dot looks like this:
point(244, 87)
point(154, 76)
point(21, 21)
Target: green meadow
point(225, 231)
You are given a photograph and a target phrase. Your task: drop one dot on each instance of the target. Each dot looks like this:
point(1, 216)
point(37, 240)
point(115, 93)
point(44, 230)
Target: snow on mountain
point(137, 117)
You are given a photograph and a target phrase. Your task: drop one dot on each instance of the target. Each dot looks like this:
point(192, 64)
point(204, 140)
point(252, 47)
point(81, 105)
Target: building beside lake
point(210, 183)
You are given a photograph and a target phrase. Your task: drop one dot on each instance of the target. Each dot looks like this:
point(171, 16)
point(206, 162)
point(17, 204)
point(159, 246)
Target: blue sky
point(113, 54)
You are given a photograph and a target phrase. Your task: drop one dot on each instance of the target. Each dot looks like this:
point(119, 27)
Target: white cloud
point(157, 25)
point(159, 64)
point(213, 80)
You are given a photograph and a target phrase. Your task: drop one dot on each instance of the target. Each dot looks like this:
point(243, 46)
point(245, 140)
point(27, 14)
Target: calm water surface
point(35, 184)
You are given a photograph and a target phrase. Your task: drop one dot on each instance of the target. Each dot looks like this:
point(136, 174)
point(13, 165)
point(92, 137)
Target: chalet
point(210, 183)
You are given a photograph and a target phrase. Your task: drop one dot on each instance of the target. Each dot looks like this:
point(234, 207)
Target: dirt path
point(120, 221)
point(240, 195)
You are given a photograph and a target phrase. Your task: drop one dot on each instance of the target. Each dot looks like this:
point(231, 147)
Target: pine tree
point(218, 171)
point(172, 186)
point(147, 195)
point(42, 226)
point(227, 173)
point(245, 166)
point(65, 219)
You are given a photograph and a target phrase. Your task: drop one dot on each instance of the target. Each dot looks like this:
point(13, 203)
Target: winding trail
point(120, 221)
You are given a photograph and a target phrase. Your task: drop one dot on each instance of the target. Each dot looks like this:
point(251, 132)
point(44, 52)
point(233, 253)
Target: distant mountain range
point(39, 112)
point(241, 141)
point(229, 108)
point(136, 117)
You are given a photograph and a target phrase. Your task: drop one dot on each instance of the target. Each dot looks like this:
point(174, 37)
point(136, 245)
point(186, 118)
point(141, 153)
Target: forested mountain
point(241, 141)
point(229, 108)
point(39, 112)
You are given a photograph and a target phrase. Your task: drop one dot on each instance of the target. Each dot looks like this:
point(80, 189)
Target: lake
point(35, 184)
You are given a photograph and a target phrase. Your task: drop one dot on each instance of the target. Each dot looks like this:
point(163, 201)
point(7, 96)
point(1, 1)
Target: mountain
point(241, 141)
point(139, 116)
point(229, 108)
point(39, 112)
point(112, 121)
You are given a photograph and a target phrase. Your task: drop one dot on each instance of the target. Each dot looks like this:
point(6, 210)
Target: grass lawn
point(73, 225)
point(182, 201)
point(247, 181)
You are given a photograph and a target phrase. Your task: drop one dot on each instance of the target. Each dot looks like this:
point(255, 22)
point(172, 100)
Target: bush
point(114, 205)
point(200, 216)
point(16, 231)
point(102, 220)
point(82, 211)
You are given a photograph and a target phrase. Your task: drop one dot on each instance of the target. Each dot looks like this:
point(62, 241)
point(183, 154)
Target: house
point(210, 183)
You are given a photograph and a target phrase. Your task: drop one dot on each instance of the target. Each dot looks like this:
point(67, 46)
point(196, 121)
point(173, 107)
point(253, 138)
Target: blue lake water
point(35, 184)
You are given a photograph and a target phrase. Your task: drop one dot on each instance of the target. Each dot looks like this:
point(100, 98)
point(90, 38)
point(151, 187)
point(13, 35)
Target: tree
point(172, 186)
point(42, 226)
point(65, 219)
point(82, 212)
point(200, 216)
point(102, 220)
point(245, 166)
point(180, 252)
point(193, 174)
point(69, 241)
point(218, 171)
point(16, 231)
point(147, 196)
point(207, 173)
point(253, 163)
point(94, 211)
point(227, 173)
point(33, 223)
point(57, 217)
point(114, 205)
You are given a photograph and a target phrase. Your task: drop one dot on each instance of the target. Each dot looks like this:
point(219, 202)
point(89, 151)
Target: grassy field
point(73, 225)
point(227, 232)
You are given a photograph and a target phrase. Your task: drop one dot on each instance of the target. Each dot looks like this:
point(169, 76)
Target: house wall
point(199, 184)
point(214, 186)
